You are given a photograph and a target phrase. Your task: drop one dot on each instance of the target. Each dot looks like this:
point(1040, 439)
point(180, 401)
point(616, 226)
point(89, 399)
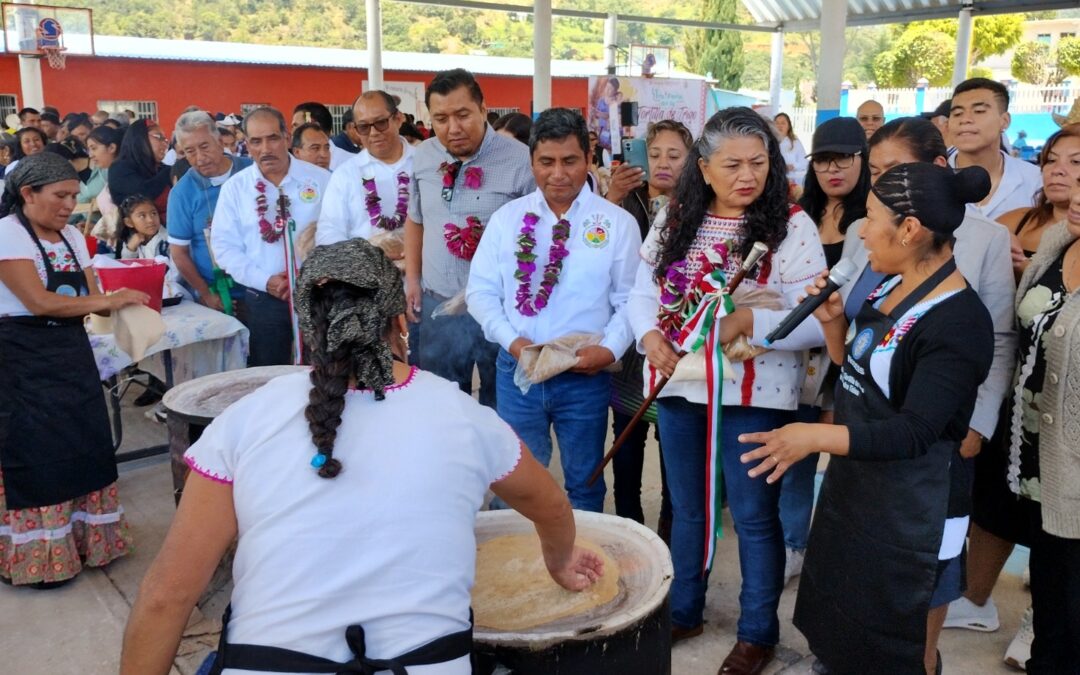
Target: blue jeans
point(577, 406)
point(797, 490)
point(450, 346)
point(754, 508)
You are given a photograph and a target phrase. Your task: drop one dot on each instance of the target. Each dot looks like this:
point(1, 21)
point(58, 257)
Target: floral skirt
point(53, 543)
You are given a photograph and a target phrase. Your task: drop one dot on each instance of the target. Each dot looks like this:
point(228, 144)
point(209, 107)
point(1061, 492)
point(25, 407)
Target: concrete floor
point(77, 630)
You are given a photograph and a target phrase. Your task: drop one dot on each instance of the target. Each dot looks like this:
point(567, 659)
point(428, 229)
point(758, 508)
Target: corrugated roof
point(798, 15)
point(321, 57)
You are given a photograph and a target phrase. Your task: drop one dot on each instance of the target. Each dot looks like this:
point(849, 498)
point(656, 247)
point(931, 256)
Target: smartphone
point(635, 154)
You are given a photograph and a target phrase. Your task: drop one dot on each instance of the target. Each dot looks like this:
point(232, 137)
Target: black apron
point(55, 443)
point(872, 557)
point(263, 659)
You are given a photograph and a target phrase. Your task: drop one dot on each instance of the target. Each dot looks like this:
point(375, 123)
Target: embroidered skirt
point(53, 543)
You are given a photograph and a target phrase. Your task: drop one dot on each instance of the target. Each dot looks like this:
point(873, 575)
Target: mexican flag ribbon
point(292, 269)
point(700, 332)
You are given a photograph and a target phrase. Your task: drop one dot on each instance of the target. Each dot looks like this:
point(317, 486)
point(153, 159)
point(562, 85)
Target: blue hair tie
point(318, 460)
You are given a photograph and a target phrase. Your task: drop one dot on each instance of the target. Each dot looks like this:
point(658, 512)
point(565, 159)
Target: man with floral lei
point(260, 213)
point(461, 176)
point(555, 268)
point(732, 195)
point(368, 195)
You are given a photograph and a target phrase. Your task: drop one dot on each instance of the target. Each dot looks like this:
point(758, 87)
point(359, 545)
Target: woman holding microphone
point(891, 517)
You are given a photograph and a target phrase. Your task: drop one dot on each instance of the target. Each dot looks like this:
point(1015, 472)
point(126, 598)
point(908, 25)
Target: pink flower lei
point(474, 175)
point(680, 294)
point(462, 241)
point(270, 232)
point(526, 304)
point(371, 202)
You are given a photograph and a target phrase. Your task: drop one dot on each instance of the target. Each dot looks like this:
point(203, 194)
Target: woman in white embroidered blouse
point(793, 151)
point(736, 194)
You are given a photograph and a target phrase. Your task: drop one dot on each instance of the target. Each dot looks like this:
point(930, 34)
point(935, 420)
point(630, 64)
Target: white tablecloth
point(202, 341)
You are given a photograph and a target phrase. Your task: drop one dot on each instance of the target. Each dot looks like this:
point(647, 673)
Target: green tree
point(990, 35)
point(718, 51)
point(1031, 62)
point(918, 53)
point(1068, 56)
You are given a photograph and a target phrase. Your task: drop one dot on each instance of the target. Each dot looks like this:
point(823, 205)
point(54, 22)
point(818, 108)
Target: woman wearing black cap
point(891, 514)
point(58, 501)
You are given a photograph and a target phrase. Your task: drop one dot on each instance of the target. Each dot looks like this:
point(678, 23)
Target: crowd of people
point(942, 379)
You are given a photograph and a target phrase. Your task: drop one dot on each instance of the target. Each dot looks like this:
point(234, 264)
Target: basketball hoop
point(50, 42)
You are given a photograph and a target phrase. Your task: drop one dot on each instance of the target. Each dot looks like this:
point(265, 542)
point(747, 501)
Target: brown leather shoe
point(680, 633)
point(746, 659)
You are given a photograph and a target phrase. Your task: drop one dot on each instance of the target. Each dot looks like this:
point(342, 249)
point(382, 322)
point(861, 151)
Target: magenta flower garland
point(371, 202)
point(270, 232)
point(526, 304)
point(679, 294)
point(474, 177)
point(462, 241)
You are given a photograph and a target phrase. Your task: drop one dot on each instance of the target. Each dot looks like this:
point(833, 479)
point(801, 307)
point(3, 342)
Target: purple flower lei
point(526, 304)
point(371, 202)
point(680, 294)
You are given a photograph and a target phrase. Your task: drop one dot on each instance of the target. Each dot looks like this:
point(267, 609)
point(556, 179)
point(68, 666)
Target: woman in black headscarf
point(891, 519)
point(57, 463)
point(375, 532)
point(138, 170)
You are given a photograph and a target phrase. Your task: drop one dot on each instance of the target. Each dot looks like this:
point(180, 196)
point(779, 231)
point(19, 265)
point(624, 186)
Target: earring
point(404, 336)
point(903, 242)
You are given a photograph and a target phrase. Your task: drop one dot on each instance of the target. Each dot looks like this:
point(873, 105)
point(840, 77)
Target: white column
point(374, 45)
point(611, 42)
point(33, 95)
point(831, 69)
point(776, 71)
point(963, 45)
point(541, 55)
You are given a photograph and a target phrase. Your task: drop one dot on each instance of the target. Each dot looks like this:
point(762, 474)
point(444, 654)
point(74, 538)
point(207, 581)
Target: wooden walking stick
point(756, 252)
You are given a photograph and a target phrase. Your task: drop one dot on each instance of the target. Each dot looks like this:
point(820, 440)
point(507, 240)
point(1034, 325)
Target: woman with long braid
point(355, 522)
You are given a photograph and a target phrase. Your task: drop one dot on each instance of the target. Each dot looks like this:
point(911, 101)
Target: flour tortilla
point(514, 591)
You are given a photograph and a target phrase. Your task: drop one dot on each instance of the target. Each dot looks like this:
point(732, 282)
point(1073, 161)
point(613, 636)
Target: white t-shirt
point(16, 244)
point(387, 544)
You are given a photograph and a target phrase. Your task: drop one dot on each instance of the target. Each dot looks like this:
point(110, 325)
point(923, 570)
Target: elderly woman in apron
point(58, 499)
point(356, 555)
point(883, 558)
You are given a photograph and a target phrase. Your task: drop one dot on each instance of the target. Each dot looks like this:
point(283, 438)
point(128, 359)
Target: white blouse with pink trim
point(773, 379)
point(387, 544)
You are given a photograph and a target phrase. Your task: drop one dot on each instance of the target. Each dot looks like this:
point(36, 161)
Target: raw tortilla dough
point(514, 591)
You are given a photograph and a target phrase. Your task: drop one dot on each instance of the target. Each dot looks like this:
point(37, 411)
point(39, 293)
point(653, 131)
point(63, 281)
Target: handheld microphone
point(838, 276)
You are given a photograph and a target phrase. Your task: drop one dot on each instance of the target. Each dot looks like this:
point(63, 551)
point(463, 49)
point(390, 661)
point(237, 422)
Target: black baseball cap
point(943, 110)
point(841, 135)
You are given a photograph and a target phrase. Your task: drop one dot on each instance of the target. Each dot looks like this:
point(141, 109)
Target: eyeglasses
point(378, 125)
point(839, 161)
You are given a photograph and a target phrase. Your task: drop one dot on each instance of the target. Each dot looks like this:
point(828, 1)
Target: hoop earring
point(904, 242)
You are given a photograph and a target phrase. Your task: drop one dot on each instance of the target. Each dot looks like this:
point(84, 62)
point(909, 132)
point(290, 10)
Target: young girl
point(142, 236)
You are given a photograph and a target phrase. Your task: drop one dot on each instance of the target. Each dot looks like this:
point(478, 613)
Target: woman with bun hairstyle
point(891, 518)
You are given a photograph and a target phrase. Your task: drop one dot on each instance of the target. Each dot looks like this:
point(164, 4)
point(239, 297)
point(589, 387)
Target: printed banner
point(657, 98)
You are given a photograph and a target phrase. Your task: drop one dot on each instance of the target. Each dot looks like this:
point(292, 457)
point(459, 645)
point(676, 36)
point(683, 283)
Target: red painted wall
point(224, 86)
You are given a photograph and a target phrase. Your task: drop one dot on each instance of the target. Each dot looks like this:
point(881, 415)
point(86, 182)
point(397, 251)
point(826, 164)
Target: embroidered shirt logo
point(308, 194)
point(862, 342)
point(597, 231)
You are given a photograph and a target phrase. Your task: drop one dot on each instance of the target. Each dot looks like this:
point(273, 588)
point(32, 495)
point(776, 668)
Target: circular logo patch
point(862, 342)
point(67, 291)
point(308, 194)
point(597, 234)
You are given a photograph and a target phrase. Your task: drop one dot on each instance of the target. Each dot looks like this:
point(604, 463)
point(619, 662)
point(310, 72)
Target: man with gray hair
point(260, 212)
point(192, 202)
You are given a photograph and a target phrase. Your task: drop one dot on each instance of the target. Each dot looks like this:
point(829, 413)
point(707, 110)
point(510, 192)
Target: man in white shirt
point(311, 144)
point(369, 193)
point(317, 113)
point(978, 116)
point(554, 263)
point(255, 213)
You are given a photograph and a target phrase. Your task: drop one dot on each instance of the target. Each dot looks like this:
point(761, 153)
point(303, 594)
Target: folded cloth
point(541, 362)
point(392, 244)
point(137, 328)
point(740, 349)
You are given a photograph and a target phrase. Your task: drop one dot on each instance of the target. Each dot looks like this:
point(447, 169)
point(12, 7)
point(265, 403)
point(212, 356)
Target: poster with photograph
point(682, 100)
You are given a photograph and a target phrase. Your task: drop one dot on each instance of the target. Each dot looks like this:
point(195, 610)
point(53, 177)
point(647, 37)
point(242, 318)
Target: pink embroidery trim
point(395, 387)
point(521, 453)
point(206, 473)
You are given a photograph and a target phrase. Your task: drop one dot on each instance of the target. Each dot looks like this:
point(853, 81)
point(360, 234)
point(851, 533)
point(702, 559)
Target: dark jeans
point(626, 468)
point(754, 508)
point(450, 346)
point(797, 490)
point(267, 318)
point(1055, 598)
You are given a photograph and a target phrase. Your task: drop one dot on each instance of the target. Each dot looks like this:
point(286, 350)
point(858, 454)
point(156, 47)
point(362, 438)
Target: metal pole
point(33, 95)
point(963, 45)
point(541, 56)
point(776, 71)
point(374, 45)
point(611, 41)
point(831, 69)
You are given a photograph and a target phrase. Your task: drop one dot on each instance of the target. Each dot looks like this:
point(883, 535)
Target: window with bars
point(8, 105)
point(245, 108)
point(144, 110)
point(338, 112)
point(504, 111)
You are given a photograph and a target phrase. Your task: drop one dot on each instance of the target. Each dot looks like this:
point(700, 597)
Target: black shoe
point(49, 585)
point(154, 391)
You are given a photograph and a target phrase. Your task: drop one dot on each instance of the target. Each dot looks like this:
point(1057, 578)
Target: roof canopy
point(801, 15)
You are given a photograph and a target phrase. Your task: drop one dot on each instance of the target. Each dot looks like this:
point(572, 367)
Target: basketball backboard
point(33, 29)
